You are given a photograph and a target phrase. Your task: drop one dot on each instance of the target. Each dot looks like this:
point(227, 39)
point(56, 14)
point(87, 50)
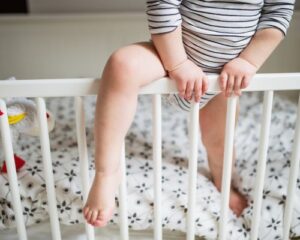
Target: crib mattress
point(174, 172)
point(77, 232)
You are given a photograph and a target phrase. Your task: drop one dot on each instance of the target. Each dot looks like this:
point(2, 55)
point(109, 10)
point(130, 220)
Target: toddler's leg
point(126, 71)
point(212, 123)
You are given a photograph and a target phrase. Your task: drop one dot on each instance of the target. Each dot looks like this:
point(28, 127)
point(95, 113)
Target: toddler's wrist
point(176, 66)
point(249, 61)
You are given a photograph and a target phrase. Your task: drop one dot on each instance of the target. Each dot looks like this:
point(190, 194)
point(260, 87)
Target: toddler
point(190, 39)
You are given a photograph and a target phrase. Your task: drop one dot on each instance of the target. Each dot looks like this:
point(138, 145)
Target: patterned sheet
point(175, 174)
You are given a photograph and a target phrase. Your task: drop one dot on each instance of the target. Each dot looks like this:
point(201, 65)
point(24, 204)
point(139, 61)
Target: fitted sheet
point(77, 232)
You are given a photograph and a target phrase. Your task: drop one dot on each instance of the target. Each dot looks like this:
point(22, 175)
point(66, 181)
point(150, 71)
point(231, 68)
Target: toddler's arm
point(273, 23)
point(271, 29)
point(261, 46)
point(164, 21)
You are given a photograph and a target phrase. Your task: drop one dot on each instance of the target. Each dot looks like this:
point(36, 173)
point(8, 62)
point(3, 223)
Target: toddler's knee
point(120, 68)
point(122, 60)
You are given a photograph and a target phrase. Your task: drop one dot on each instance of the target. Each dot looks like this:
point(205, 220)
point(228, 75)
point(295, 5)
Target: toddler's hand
point(236, 75)
point(190, 78)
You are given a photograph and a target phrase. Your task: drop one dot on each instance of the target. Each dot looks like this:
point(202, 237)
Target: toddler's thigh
point(141, 61)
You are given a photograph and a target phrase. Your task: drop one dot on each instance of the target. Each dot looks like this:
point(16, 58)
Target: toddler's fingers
point(189, 90)
point(181, 85)
point(237, 85)
point(245, 82)
point(230, 84)
point(204, 84)
point(198, 90)
point(223, 80)
point(181, 93)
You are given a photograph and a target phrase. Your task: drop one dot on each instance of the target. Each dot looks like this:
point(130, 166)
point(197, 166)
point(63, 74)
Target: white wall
point(63, 46)
point(66, 6)
point(66, 46)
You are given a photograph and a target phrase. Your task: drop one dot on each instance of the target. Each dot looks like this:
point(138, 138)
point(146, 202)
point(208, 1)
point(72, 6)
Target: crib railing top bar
point(68, 87)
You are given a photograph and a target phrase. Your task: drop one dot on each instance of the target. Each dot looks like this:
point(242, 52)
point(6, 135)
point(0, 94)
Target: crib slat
point(227, 164)
point(156, 128)
point(11, 172)
point(83, 157)
point(193, 140)
point(48, 171)
point(292, 179)
point(123, 213)
point(261, 165)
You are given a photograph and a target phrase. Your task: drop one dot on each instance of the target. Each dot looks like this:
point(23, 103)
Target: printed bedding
point(175, 171)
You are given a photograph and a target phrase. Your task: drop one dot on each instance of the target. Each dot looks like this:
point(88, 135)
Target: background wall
point(64, 6)
point(78, 45)
point(51, 6)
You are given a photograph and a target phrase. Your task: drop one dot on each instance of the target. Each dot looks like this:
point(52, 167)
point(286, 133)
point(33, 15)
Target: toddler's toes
point(100, 217)
point(89, 215)
point(237, 202)
point(103, 217)
point(85, 211)
point(94, 216)
point(238, 210)
point(99, 223)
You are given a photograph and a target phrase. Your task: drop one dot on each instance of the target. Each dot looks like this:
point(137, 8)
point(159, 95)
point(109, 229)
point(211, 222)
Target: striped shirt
point(215, 31)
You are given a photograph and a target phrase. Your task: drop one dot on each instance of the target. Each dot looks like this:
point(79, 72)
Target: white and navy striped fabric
point(216, 31)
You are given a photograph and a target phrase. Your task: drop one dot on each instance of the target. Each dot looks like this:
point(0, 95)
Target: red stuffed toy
point(19, 162)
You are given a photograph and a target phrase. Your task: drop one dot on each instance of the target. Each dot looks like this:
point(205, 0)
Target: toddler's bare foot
point(100, 204)
point(237, 202)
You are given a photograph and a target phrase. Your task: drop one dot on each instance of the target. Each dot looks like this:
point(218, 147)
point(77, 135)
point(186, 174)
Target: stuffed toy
point(23, 119)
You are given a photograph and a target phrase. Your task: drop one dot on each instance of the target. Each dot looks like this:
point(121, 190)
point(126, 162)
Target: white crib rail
point(48, 171)
point(11, 171)
point(123, 199)
point(83, 157)
point(227, 166)
point(156, 126)
point(292, 179)
point(261, 165)
point(193, 138)
point(83, 87)
point(88, 86)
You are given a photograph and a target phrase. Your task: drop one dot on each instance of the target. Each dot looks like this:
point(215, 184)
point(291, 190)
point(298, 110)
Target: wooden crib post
point(11, 172)
point(123, 210)
point(294, 169)
point(48, 171)
point(156, 134)
point(83, 157)
point(227, 164)
point(261, 165)
point(193, 154)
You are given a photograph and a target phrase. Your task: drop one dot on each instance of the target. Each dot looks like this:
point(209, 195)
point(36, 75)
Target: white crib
point(78, 88)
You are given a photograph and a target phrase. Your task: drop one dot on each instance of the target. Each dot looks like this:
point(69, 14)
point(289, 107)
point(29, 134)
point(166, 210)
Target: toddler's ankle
point(217, 183)
point(107, 172)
